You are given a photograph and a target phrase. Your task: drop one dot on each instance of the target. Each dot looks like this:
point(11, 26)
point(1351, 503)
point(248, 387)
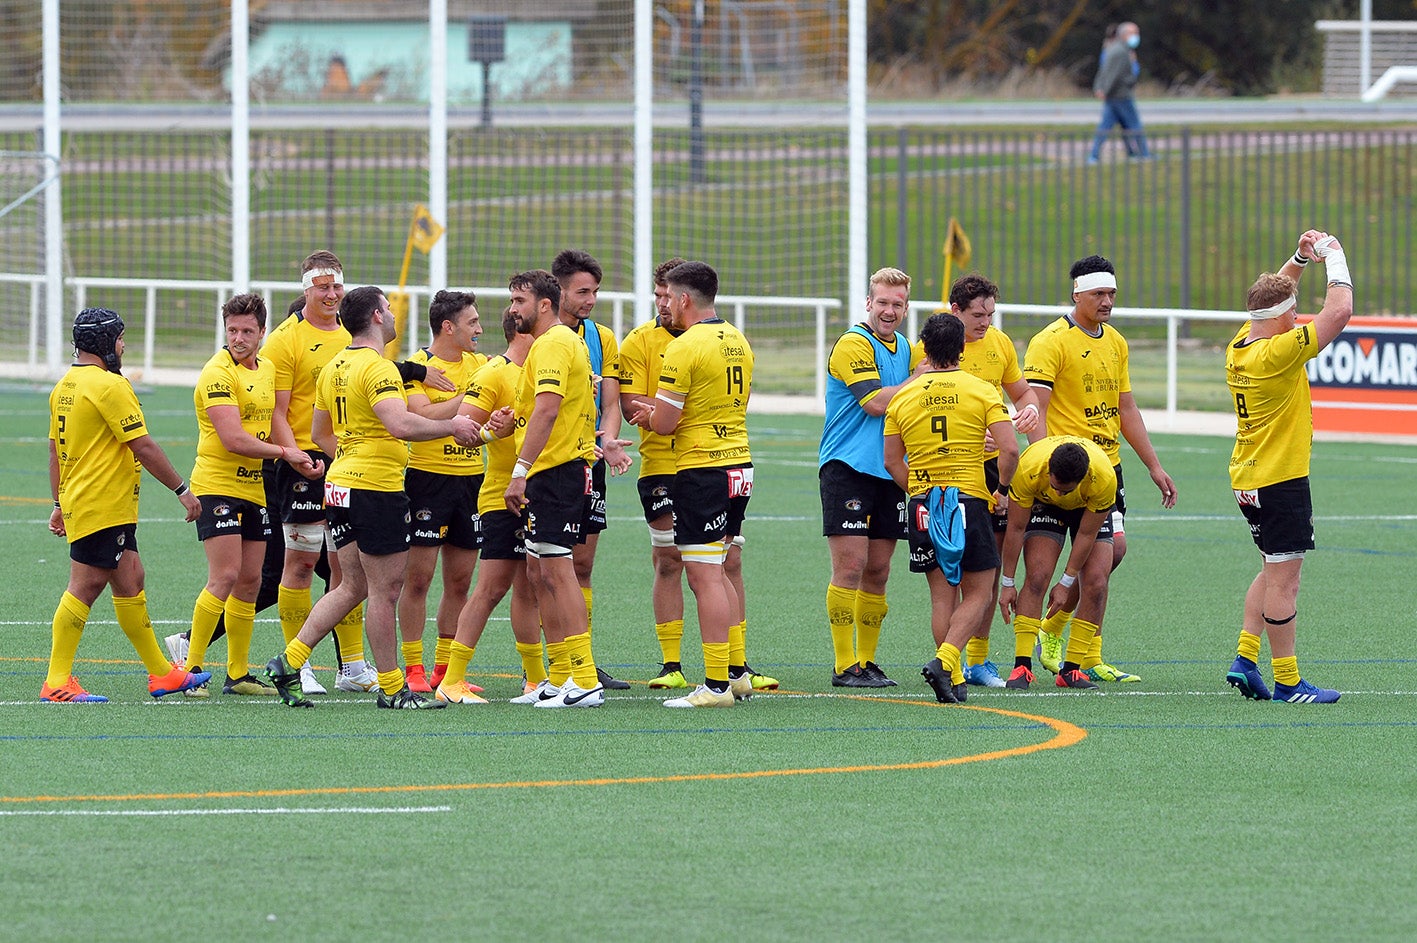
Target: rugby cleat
point(70, 692)
point(1244, 676)
point(874, 672)
point(247, 685)
point(1073, 678)
point(984, 675)
point(573, 695)
point(406, 700)
point(417, 677)
point(1020, 678)
point(1105, 672)
point(702, 696)
point(609, 683)
point(1304, 693)
point(938, 678)
point(1049, 651)
point(178, 679)
point(287, 682)
point(456, 692)
point(741, 687)
point(762, 682)
point(671, 675)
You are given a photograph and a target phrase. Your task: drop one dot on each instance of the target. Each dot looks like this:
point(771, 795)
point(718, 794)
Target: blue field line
point(1262, 725)
point(1021, 726)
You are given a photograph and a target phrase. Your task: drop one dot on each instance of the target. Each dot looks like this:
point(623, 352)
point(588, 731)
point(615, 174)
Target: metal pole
point(644, 159)
point(437, 153)
point(240, 145)
point(857, 159)
point(1365, 46)
point(54, 346)
point(696, 94)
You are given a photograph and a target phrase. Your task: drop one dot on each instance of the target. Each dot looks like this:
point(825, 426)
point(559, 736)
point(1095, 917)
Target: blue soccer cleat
point(1304, 693)
point(1244, 676)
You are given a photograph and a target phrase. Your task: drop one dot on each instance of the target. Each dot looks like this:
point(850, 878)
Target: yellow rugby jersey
point(493, 386)
point(1087, 376)
point(224, 382)
point(92, 415)
point(641, 359)
point(1097, 492)
point(444, 456)
point(299, 351)
point(941, 418)
point(559, 363)
point(1274, 421)
point(711, 366)
point(368, 457)
point(992, 358)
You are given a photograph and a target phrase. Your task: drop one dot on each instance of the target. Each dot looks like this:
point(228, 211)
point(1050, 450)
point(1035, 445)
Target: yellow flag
point(425, 231)
point(957, 252)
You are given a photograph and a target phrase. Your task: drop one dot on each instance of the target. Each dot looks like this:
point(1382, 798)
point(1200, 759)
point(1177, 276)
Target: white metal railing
point(621, 305)
point(1172, 316)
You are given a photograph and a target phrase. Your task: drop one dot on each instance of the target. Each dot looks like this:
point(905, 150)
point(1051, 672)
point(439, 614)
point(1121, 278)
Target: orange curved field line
point(1066, 735)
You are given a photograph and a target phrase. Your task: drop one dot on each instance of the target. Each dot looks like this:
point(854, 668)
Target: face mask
point(1134, 41)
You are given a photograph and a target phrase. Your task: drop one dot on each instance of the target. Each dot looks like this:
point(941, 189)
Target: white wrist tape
point(1067, 581)
point(1336, 265)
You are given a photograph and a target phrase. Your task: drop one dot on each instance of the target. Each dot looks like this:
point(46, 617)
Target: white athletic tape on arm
point(1274, 310)
point(1335, 261)
point(1094, 280)
point(308, 279)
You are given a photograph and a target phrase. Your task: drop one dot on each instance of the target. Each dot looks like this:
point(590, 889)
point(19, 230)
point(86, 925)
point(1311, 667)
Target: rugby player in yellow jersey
point(489, 401)
point(701, 400)
point(934, 449)
point(299, 348)
point(863, 511)
point(361, 417)
point(442, 483)
point(234, 400)
point(550, 483)
point(1269, 467)
point(579, 275)
point(1064, 488)
point(98, 446)
point(640, 357)
point(990, 355)
point(1078, 367)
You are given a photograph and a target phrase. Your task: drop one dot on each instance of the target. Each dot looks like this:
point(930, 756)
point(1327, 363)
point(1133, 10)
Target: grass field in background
point(1173, 809)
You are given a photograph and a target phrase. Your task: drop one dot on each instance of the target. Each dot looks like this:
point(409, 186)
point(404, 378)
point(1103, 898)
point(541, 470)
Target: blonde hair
point(1269, 289)
point(892, 277)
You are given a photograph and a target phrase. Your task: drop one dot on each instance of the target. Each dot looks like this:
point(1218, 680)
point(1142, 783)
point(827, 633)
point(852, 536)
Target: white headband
point(1094, 280)
point(308, 279)
point(1275, 310)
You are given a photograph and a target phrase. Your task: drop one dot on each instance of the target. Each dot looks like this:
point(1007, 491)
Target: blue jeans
point(1121, 111)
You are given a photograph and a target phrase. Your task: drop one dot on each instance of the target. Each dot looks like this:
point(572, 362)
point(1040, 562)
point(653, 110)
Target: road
point(1080, 112)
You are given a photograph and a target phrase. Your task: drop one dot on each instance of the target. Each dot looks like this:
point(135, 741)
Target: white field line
point(347, 810)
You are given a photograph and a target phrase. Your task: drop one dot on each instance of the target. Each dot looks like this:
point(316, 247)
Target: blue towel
point(946, 530)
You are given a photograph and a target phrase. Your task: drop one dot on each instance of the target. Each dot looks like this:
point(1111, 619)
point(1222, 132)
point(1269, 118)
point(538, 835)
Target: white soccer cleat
point(702, 696)
point(177, 648)
point(358, 677)
point(573, 695)
point(543, 690)
point(308, 682)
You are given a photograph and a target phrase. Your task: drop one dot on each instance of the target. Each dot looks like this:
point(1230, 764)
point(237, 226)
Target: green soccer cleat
point(1049, 651)
point(286, 681)
point(762, 682)
point(671, 675)
point(1105, 672)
